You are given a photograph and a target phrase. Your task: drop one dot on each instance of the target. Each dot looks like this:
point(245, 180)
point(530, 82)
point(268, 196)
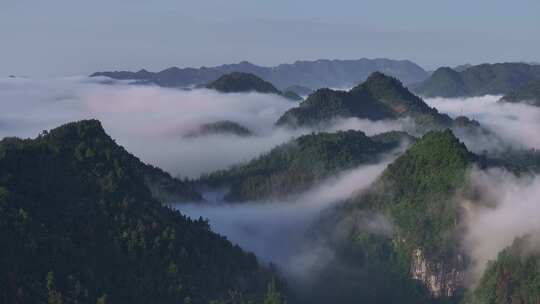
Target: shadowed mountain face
point(300, 164)
point(237, 82)
point(83, 226)
point(528, 94)
point(484, 79)
point(379, 97)
point(310, 74)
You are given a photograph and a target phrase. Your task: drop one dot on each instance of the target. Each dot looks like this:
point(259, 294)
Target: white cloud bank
point(277, 232)
point(151, 121)
point(509, 208)
point(518, 124)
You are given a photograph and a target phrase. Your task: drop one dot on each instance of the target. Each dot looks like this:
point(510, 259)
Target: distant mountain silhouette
point(309, 74)
point(529, 94)
point(478, 80)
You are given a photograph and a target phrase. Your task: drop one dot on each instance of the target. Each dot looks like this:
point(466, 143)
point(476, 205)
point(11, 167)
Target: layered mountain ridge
point(478, 80)
point(310, 74)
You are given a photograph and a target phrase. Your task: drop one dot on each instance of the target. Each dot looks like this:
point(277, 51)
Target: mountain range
point(76, 176)
point(301, 163)
point(478, 80)
point(308, 74)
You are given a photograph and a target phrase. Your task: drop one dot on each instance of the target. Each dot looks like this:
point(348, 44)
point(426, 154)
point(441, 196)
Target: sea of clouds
point(151, 122)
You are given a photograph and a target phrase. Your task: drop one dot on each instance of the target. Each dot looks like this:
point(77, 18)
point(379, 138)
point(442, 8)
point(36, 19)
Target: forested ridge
point(80, 225)
point(300, 164)
point(379, 97)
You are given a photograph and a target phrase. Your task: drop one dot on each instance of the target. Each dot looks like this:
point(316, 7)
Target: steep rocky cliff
point(442, 278)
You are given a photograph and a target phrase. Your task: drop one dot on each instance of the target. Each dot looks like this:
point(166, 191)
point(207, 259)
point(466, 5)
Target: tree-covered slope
point(529, 94)
point(396, 241)
point(237, 82)
point(379, 97)
point(415, 194)
point(301, 163)
point(444, 82)
point(422, 183)
point(79, 224)
point(513, 278)
point(478, 80)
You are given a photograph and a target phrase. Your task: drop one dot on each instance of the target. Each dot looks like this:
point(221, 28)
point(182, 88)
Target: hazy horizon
point(71, 38)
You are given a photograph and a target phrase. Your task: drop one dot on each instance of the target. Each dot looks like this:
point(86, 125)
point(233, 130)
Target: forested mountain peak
point(379, 97)
point(238, 82)
point(303, 162)
point(478, 80)
point(84, 226)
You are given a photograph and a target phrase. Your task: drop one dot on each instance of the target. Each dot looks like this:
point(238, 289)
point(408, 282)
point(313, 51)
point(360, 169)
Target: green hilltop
point(416, 258)
point(299, 164)
point(237, 82)
point(82, 223)
point(379, 97)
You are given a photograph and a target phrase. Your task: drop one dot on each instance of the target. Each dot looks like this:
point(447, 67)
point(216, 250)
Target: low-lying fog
point(151, 121)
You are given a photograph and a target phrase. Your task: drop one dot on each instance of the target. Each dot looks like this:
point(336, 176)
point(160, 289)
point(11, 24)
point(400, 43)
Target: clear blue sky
point(73, 37)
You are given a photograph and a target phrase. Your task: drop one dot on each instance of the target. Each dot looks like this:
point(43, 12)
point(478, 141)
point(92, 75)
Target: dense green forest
point(478, 80)
point(418, 191)
point(379, 97)
point(79, 224)
point(299, 164)
point(529, 94)
point(376, 233)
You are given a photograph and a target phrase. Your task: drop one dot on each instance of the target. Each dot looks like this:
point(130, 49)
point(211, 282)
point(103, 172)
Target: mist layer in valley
point(152, 123)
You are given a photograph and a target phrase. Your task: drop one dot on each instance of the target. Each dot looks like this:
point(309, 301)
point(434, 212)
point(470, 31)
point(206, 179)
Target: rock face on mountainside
point(416, 195)
point(442, 278)
point(300, 164)
point(310, 74)
point(478, 80)
point(80, 223)
point(421, 186)
point(528, 94)
point(379, 97)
